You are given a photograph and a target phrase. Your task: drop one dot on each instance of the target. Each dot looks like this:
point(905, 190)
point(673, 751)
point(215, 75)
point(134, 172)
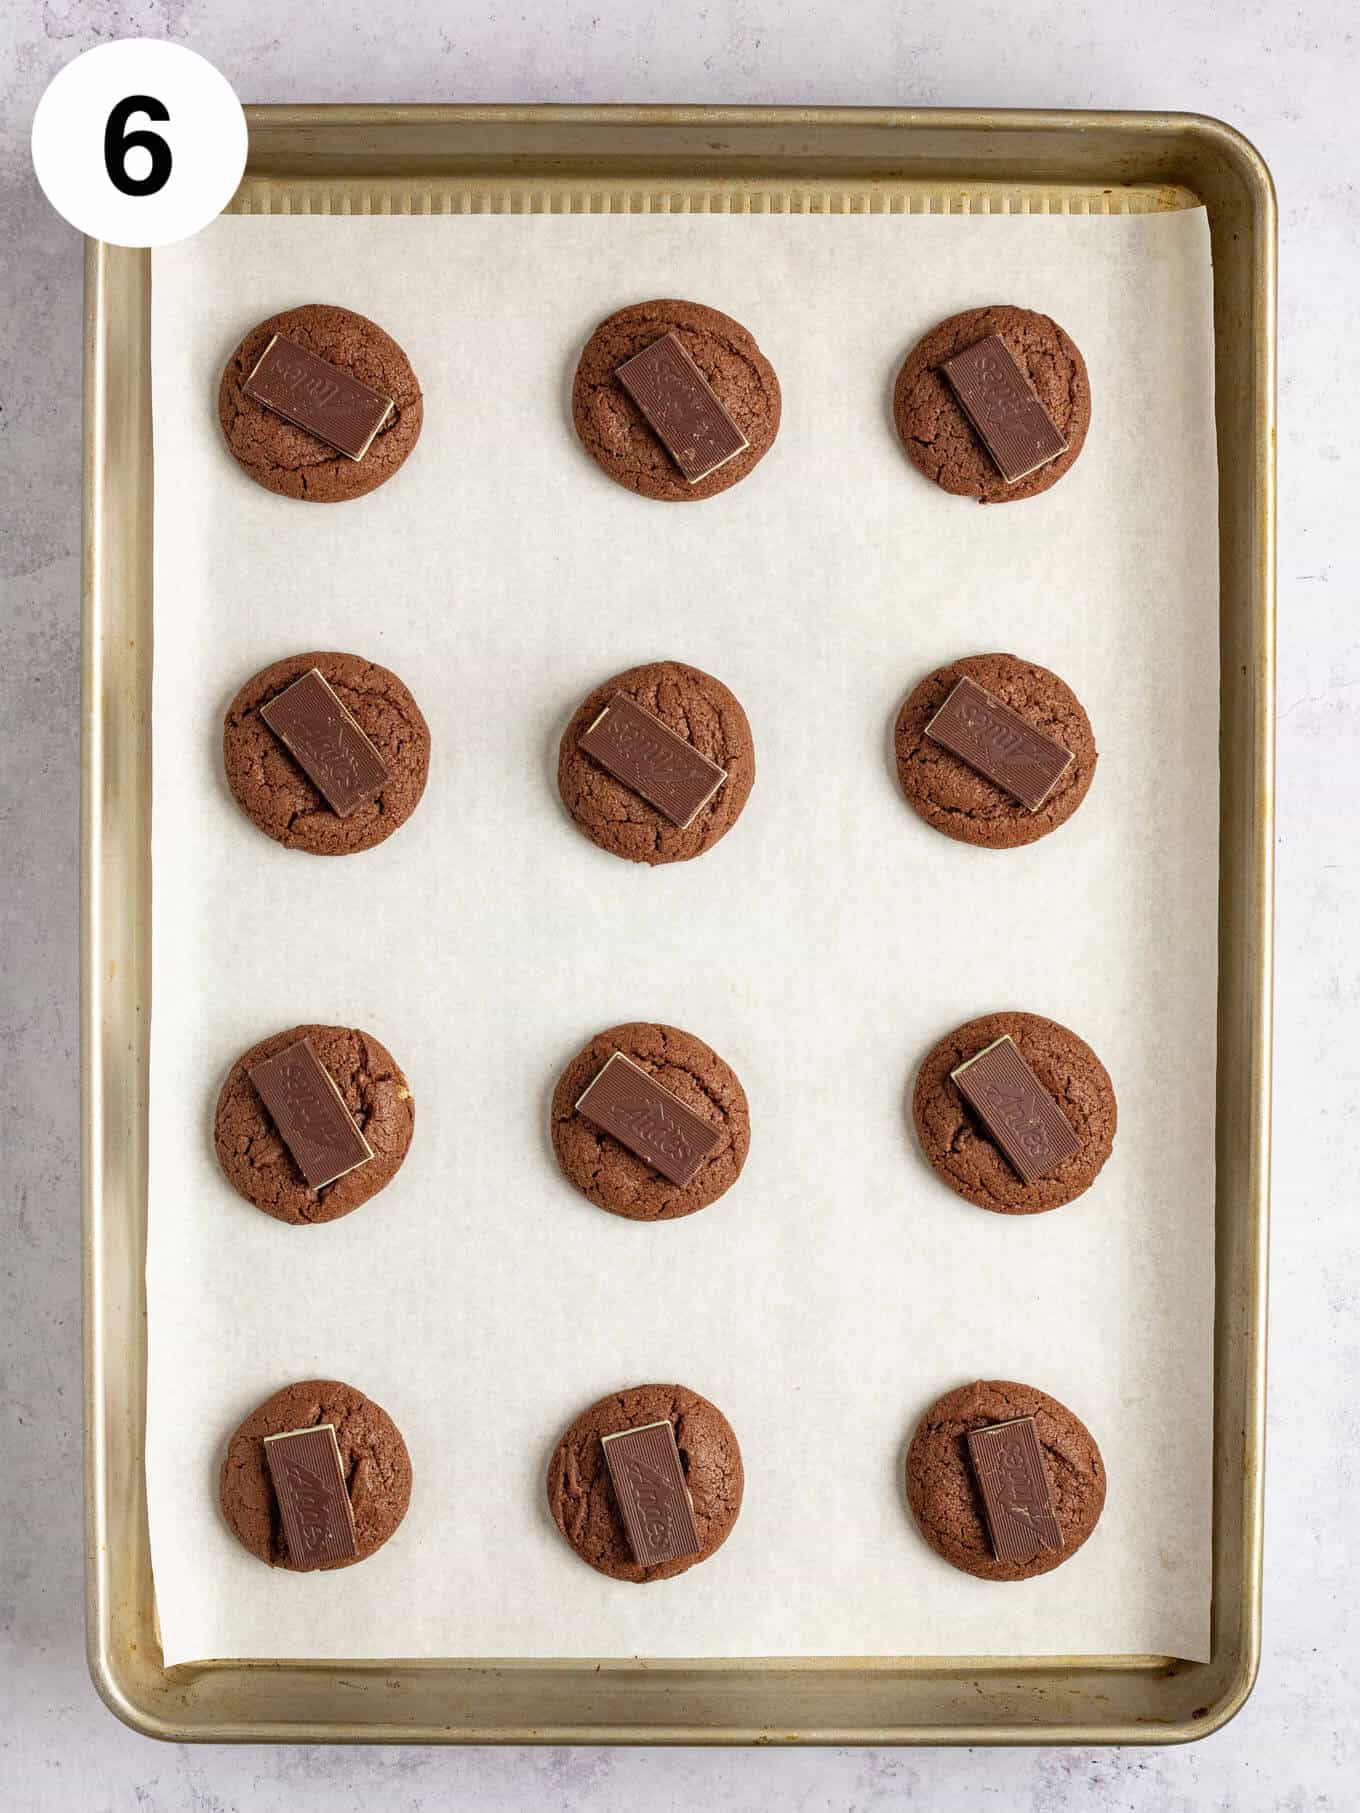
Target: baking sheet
point(822, 947)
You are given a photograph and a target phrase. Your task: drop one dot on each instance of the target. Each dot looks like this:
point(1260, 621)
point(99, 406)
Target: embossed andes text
point(326, 400)
point(310, 1115)
point(681, 408)
point(998, 743)
point(1002, 406)
point(314, 1505)
point(327, 743)
point(1016, 1110)
point(651, 759)
point(649, 1488)
point(655, 1125)
point(1017, 1499)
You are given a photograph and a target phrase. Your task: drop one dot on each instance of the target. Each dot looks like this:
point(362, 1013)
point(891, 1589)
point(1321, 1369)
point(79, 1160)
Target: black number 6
point(118, 141)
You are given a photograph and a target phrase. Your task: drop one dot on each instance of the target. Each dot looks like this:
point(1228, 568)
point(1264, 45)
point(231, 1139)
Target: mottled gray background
point(1289, 75)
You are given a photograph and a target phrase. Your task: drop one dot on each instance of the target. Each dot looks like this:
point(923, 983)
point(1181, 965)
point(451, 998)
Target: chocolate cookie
point(612, 428)
point(284, 458)
point(373, 1455)
point(257, 1164)
point(964, 804)
point(959, 1147)
point(696, 707)
point(938, 436)
point(612, 1176)
point(944, 1496)
point(581, 1497)
point(272, 790)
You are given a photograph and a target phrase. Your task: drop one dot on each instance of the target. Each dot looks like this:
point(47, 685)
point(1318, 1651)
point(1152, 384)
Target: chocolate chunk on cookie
point(956, 1142)
point(581, 1495)
point(287, 458)
point(257, 1163)
point(617, 1179)
point(273, 789)
point(373, 1459)
point(614, 431)
point(937, 435)
point(951, 794)
point(613, 814)
point(943, 1491)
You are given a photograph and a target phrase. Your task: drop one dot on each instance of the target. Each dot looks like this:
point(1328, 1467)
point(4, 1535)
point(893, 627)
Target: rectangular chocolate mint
point(314, 1507)
point(327, 742)
point(681, 409)
point(1008, 1464)
point(1000, 402)
point(650, 1490)
point(1016, 1109)
point(648, 756)
point(648, 1119)
point(310, 1114)
point(997, 741)
point(326, 400)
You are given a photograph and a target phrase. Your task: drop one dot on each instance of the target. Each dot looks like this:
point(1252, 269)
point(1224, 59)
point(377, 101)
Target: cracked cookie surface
point(581, 1497)
point(257, 1164)
point(612, 1176)
point(288, 460)
point(937, 435)
point(964, 804)
point(274, 793)
point(944, 1497)
point(373, 1457)
point(614, 431)
point(964, 1155)
point(695, 706)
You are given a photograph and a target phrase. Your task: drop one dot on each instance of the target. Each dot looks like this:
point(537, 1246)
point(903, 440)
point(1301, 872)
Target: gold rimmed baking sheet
point(403, 160)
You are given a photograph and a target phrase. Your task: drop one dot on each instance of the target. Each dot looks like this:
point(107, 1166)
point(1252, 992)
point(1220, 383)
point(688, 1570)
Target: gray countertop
point(1286, 74)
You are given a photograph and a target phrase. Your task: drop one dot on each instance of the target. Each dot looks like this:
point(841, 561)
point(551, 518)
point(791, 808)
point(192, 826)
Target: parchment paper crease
point(821, 948)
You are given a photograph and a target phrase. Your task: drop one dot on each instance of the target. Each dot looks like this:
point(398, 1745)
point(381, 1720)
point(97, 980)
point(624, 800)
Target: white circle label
point(139, 142)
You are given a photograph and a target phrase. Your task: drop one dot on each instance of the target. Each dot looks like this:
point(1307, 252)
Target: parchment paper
point(822, 947)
